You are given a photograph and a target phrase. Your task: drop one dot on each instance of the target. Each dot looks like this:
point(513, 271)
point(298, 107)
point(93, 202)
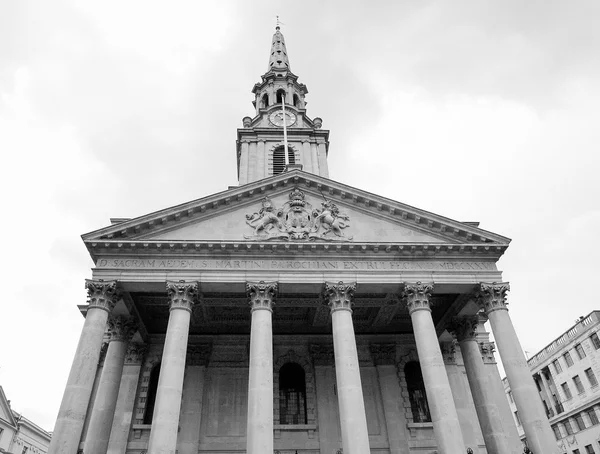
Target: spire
point(278, 58)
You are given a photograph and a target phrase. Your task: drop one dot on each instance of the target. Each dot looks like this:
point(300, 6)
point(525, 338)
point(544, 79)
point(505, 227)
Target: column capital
point(492, 297)
point(339, 296)
point(448, 350)
point(121, 328)
point(102, 294)
point(182, 294)
point(261, 295)
point(198, 354)
point(135, 353)
point(383, 354)
point(418, 296)
point(487, 352)
point(465, 327)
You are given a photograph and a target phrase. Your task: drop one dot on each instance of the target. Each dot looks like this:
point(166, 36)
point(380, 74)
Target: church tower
point(279, 100)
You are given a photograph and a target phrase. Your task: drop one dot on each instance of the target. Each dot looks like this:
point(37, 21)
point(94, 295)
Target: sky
point(474, 110)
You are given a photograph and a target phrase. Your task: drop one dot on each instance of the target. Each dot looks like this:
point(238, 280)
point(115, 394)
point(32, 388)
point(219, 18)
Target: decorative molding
point(383, 354)
point(340, 295)
point(261, 295)
point(296, 220)
point(182, 294)
point(121, 328)
point(448, 350)
point(198, 354)
point(322, 354)
point(487, 350)
point(464, 328)
point(135, 353)
point(418, 296)
point(102, 294)
point(492, 297)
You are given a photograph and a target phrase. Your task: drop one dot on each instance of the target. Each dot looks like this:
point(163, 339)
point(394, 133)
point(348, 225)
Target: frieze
point(295, 265)
point(297, 220)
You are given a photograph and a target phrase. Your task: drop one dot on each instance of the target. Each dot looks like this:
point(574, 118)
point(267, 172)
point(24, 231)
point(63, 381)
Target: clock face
point(278, 117)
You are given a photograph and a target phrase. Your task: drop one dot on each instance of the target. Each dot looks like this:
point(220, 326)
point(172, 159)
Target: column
point(243, 163)
point(353, 420)
point(121, 329)
point(260, 381)
point(384, 357)
point(488, 413)
point(323, 170)
point(315, 158)
point(165, 419)
point(119, 433)
point(261, 160)
point(188, 441)
point(446, 427)
point(102, 297)
point(540, 438)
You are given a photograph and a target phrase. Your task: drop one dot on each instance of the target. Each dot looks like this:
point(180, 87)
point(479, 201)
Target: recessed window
point(416, 392)
point(556, 430)
point(566, 390)
point(580, 351)
point(151, 394)
point(568, 427)
point(279, 159)
point(510, 396)
point(292, 394)
point(589, 449)
point(568, 359)
point(579, 421)
point(517, 418)
point(593, 417)
point(557, 366)
point(589, 373)
point(595, 341)
point(578, 384)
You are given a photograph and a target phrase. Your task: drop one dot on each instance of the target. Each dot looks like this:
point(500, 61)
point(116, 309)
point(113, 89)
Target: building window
point(595, 341)
point(579, 421)
point(517, 418)
point(566, 390)
point(578, 384)
point(568, 427)
point(593, 417)
point(557, 366)
point(25, 449)
point(416, 392)
point(568, 359)
point(537, 383)
point(575, 451)
point(580, 351)
point(589, 373)
point(510, 396)
point(292, 394)
point(151, 394)
point(280, 96)
point(556, 430)
point(589, 449)
point(296, 101)
point(279, 159)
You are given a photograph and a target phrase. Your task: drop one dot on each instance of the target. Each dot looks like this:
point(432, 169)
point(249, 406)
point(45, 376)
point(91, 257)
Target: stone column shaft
point(540, 438)
point(76, 398)
point(103, 412)
point(353, 420)
point(307, 155)
point(488, 413)
point(165, 419)
point(243, 166)
point(446, 427)
point(260, 379)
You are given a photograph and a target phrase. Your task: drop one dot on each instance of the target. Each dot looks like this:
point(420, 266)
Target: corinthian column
point(488, 413)
point(165, 419)
point(121, 329)
point(260, 380)
point(492, 299)
point(102, 297)
point(446, 427)
point(353, 420)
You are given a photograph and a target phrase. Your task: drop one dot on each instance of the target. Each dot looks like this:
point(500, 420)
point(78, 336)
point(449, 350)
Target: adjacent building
point(19, 435)
point(566, 374)
point(295, 314)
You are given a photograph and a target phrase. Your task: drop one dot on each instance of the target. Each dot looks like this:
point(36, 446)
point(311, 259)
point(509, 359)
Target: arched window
point(279, 159)
point(265, 100)
point(296, 101)
point(151, 394)
point(280, 96)
point(416, 392)
point(292, 394)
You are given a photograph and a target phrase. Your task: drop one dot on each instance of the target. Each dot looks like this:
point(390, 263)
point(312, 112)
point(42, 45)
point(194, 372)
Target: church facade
point(295, 314)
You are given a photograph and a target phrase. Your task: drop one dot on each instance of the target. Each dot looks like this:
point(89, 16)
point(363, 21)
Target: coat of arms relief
point(297, 220)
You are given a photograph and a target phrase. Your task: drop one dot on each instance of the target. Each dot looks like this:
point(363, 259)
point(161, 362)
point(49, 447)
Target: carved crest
point(297, 220)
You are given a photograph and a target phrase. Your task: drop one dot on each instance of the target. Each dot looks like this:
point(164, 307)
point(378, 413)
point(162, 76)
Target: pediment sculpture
point(297, 220)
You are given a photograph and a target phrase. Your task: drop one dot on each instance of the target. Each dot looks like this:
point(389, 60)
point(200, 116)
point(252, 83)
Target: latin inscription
point(342, 265)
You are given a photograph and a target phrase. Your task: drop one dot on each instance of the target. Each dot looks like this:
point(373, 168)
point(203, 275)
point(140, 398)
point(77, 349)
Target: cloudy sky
point(475, 110)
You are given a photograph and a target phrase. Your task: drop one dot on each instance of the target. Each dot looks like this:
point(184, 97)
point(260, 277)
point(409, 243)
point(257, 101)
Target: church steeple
point(280, 104)
point(278, 60)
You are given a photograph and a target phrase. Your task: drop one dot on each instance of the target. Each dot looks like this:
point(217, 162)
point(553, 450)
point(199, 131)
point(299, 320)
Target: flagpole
point(285, 141)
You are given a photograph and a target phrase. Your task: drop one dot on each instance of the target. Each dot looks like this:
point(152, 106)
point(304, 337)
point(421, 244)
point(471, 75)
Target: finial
point(277, 26)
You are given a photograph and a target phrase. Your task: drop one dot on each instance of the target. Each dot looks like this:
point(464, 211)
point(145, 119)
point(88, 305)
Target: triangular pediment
point(296, 207)
point(5, 411)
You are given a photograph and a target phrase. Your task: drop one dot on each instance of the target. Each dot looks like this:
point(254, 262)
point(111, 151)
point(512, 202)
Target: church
point(293, 314)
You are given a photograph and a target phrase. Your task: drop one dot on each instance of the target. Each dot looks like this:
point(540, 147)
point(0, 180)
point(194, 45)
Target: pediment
point(296, 207)
point(5, 411)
